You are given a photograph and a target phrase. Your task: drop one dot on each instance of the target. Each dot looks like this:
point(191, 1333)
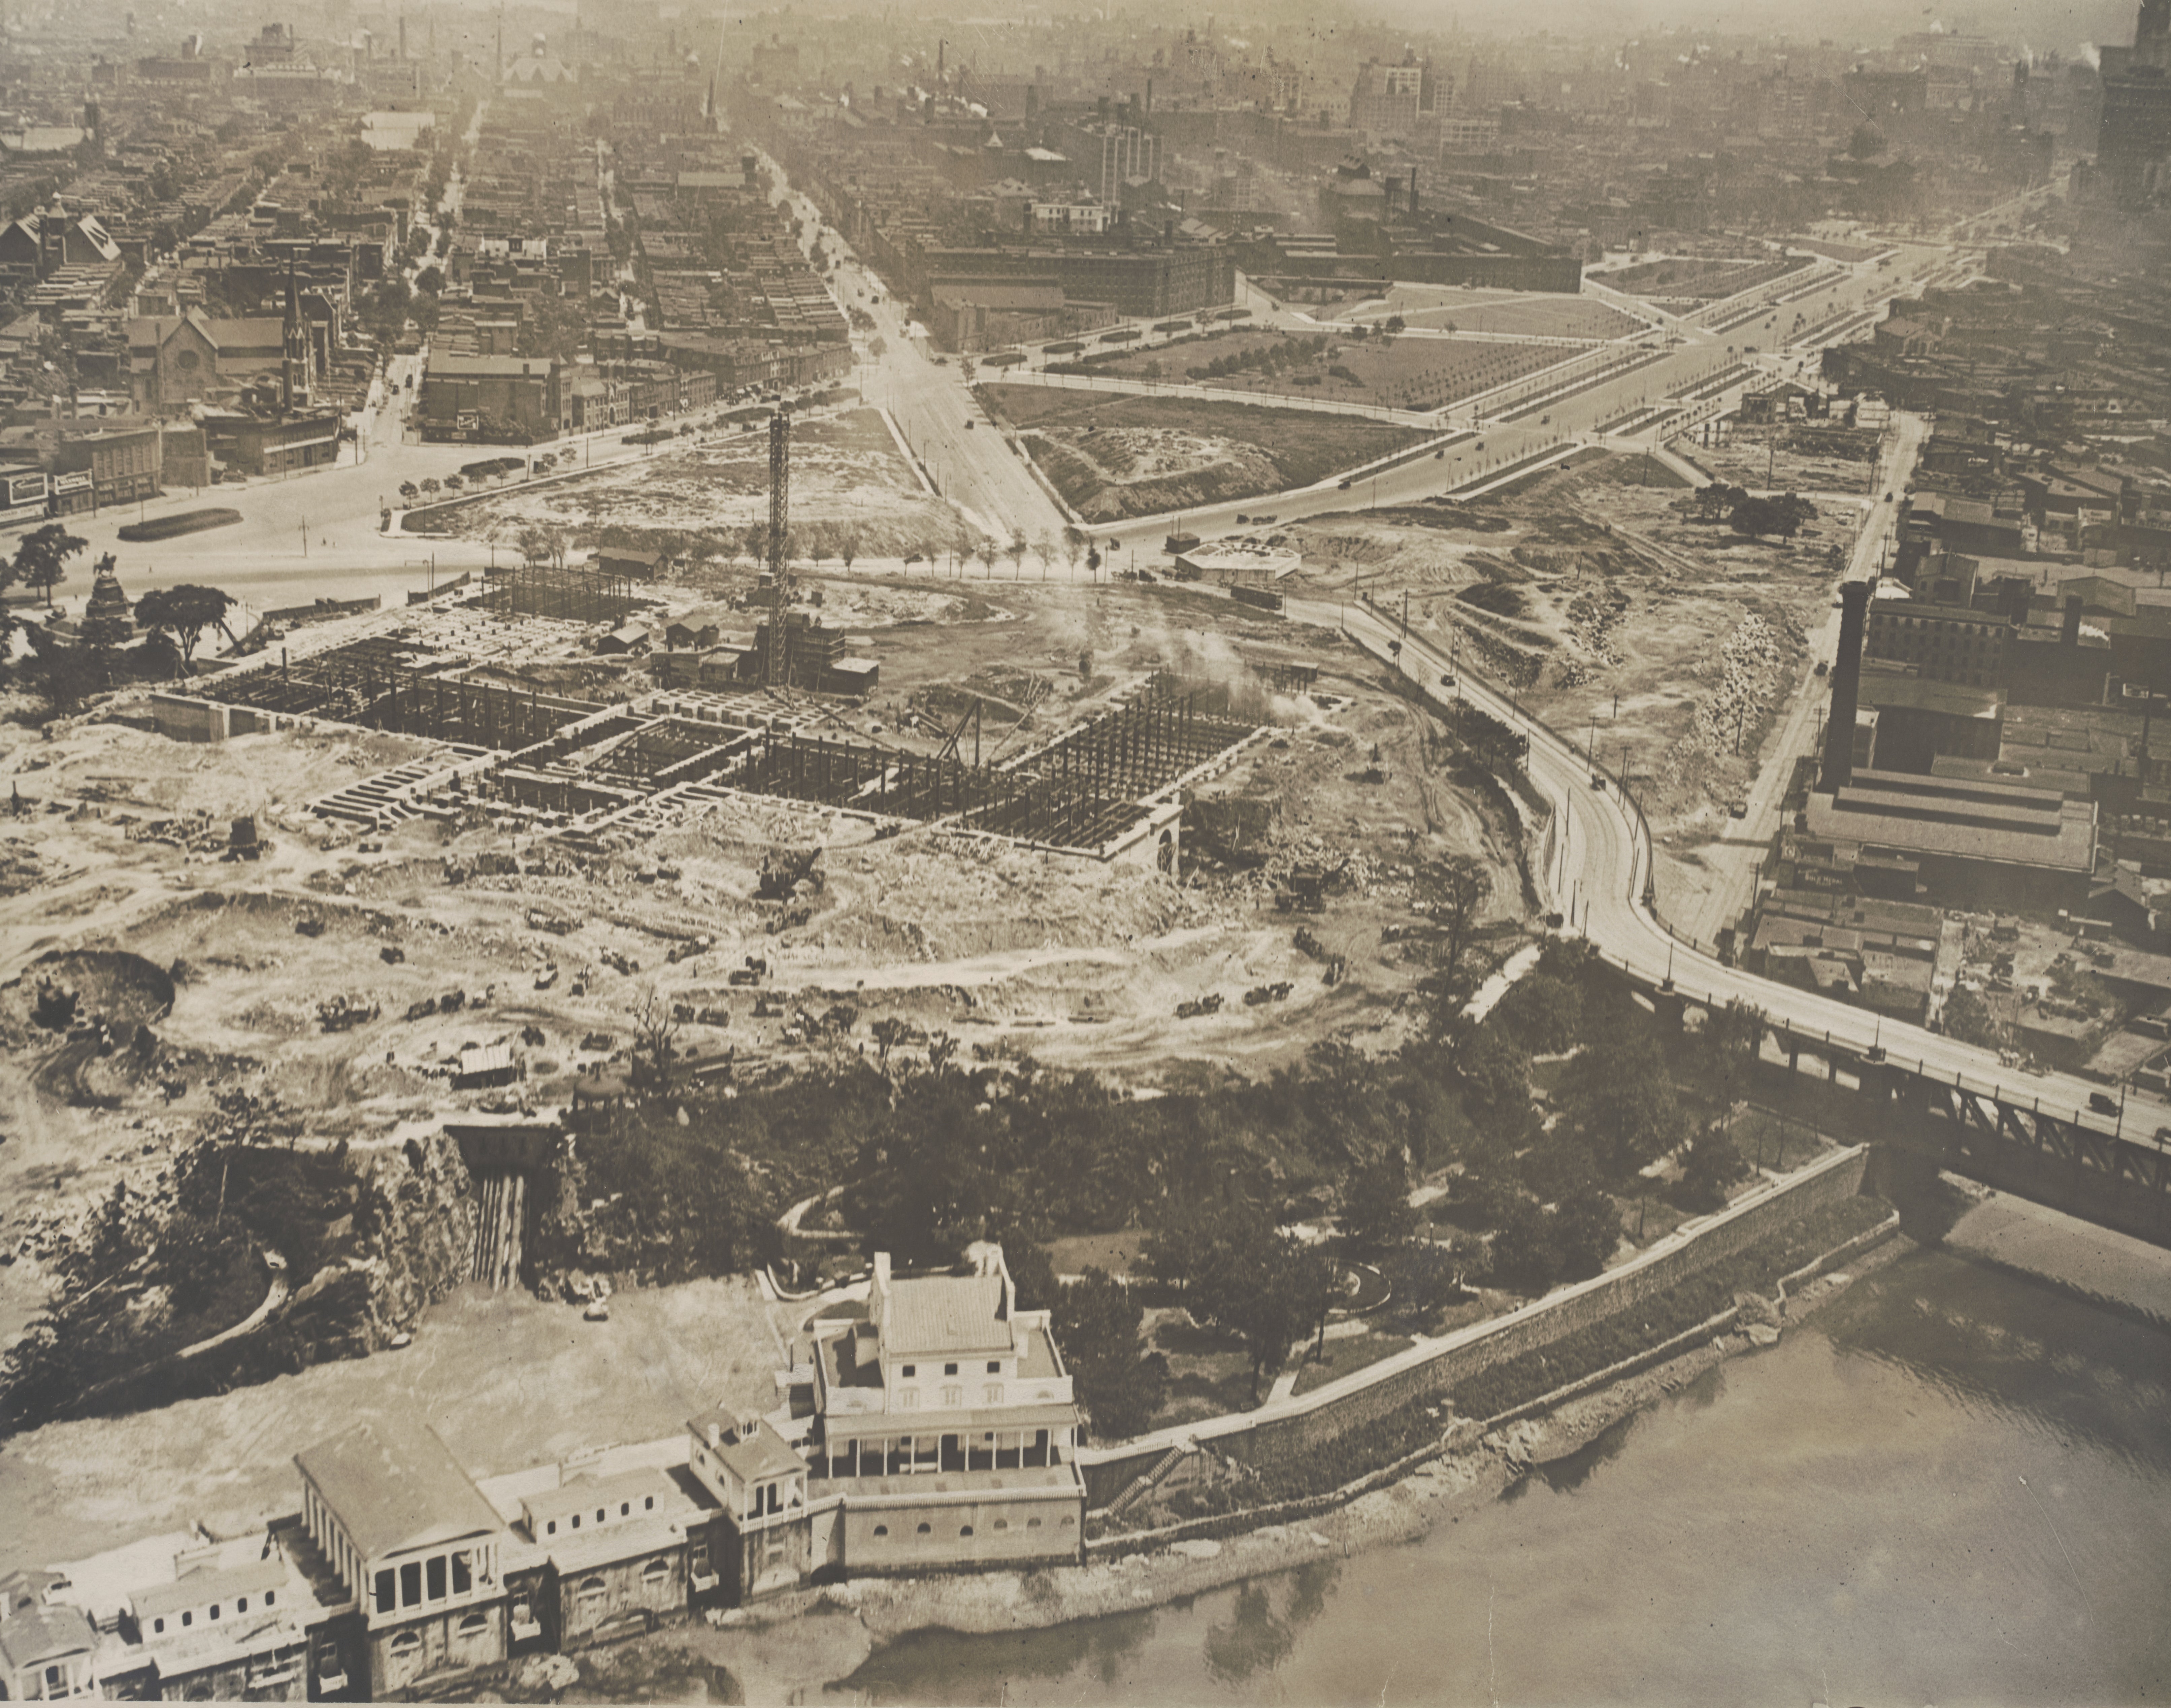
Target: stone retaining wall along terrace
point(1433, 1367)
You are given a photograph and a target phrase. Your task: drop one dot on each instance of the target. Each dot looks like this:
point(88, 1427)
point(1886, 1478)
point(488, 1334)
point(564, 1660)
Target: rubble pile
point(1748, 673)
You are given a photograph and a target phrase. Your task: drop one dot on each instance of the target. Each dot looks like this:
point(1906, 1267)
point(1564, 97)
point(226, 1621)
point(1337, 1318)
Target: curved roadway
point(1606, 860)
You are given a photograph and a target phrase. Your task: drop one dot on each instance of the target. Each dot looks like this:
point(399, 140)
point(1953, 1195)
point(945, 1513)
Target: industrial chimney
point(1846, 686)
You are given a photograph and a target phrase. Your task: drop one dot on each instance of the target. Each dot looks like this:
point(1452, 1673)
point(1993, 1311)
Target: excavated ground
point(1597, 595)
point(1010, 949)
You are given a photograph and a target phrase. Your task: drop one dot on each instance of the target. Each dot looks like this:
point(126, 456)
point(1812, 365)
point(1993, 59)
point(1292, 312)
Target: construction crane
point(776, 671)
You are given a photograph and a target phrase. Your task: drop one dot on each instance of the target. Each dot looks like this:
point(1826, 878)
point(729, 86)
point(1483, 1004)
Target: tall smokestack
point(293, 328)
point(1846, 685)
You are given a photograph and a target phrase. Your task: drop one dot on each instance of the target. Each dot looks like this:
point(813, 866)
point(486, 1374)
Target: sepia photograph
point(866, 854)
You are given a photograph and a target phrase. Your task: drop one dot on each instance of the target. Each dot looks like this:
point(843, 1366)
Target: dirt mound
point(109, 984)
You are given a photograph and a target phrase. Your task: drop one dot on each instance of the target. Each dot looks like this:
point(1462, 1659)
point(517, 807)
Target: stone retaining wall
point(1430, 1370)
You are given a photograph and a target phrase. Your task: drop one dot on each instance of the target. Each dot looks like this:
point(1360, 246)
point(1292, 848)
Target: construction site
point(570, 767)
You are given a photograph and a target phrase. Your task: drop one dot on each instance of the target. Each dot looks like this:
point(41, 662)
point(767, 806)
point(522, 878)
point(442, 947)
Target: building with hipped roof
point(937, 1433)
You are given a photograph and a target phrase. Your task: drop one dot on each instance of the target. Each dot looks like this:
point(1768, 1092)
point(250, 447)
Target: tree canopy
point(184, 612)
point(41, 556)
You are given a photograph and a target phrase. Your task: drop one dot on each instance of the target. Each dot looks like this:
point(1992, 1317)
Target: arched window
point(473, 1625)
point(1032, 1523)
point(1002, 1523)
point(655, 1572)
point(405, 1644)
point(926, 1530)
point(881, 1529)
point(964, 1529)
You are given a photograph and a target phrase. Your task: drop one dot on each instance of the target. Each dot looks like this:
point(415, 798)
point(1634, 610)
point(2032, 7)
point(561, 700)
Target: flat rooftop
point(1960, 819)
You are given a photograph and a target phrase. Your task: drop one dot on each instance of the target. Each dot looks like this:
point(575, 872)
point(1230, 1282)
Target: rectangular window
point(463, 1579)
point(436, 1570)
point(948, 1369)
point(994, 1367)
point(385, 1600)
point(411, 1584)
point(910, 1370)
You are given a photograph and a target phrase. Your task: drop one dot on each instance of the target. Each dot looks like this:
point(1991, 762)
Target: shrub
point(172, 527)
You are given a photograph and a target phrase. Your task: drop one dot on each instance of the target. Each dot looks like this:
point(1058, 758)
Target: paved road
point(1599, 881)
point(972, 465)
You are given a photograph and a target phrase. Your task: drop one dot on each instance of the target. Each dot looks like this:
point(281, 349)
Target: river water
point(1952, 1484)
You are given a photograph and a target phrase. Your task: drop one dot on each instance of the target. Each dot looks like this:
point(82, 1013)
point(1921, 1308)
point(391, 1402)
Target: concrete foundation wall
point(994, 1531)
point(180, 720)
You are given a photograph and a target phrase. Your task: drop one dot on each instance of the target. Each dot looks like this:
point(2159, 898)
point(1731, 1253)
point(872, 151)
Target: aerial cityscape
point(1295, 854)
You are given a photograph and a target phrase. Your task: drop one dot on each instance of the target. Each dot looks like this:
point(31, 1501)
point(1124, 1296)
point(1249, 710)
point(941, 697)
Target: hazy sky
point(2042, 24)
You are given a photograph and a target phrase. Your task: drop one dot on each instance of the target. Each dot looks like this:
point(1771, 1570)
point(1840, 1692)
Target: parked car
point(2103, 1103)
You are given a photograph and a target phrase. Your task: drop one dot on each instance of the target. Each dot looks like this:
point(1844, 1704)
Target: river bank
point(797, 1644)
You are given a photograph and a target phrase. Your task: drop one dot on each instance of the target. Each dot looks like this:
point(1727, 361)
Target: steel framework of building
point(579, 593)
point(369, 683)
point(776, 663)
point(1079, 792)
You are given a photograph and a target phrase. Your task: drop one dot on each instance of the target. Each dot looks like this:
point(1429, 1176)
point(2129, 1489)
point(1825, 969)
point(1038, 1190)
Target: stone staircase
point(391, 797)
point(1146, 1482)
